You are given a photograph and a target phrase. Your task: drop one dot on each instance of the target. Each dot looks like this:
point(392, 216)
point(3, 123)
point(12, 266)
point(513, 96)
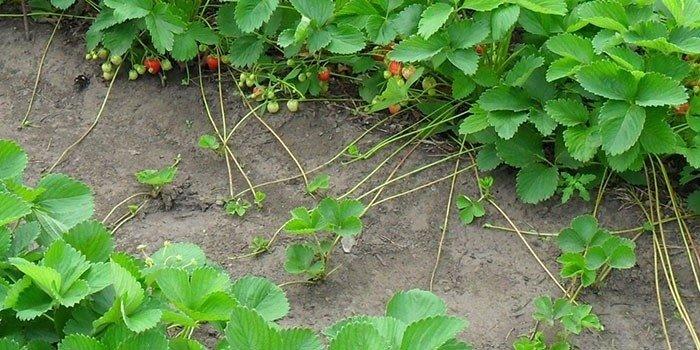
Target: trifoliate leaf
point(157, 178)
point(185, 45)
point(162, 24)
point(506, 123)
point(303, 221)
point(536, 182)
point(466, 60)
point(583, 232)
point(469, 209)
point(341, 217)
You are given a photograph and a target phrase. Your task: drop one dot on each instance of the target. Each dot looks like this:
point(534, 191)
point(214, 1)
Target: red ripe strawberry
point(152, 65)
point(212, 62)
point(324, 74)
point(395, 67)
point(395, 108)
point(480, 49)
point(682, 109)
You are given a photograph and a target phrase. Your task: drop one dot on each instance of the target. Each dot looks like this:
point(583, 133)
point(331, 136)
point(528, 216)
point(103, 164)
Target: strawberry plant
point(63, 284)
point(321, 227)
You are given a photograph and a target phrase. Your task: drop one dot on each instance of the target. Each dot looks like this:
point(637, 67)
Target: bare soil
point(487, 276)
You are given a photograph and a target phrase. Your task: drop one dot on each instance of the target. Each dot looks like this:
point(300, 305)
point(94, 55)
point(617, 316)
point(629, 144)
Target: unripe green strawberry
point(133, 74)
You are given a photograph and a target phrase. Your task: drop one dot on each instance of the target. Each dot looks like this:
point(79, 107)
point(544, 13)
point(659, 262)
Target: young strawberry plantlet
point(321, 227)
point(237, 207)
point(571, 184)
point(320, 182)
point(158, 178)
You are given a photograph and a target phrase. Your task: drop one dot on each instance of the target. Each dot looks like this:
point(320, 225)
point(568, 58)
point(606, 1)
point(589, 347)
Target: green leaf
point(620, 126)
point(345, 39)
point(162, 24)
point(572, 46)
point(303, 221)
point(504, 98)
point(341, 217)
point(506, 123)
point(128, 9)
point(502, 20)
point(13, 160)
point(582, 142)
point(406, 21)
point(476, 122)
point(606, 79)
point(185, 344)
point(657, 136)
point(413, 305)
point(247, 330)
point(357, 336)
point(80, 342)
point(380, 30)
point(251, 14)
point(522, 70)
point(583, 233)
point(488, 159)
point(321, 181)
point(92, 240)
point(466, 60)
point(185, 45)
point(319, 11)
point(65, 203)
point(416, 48)
point(153, 339)
point(467, 33)
point(604, 14)
point(226, 20)
point(246, 50)
point(482, 5)
point(562, 68)
point(157, 178)
point(685, 12)
point(262, 296)
point(433, 18)
point(658, 90)
point(302, 258)
point(568, 112)
point(469, 209)
point(521, 150)
point(430, 333)
point(12, 208)
point(188, 256)
point(554, 7)
point(118, 39)
point(536, 182)
point(207, 141)
point(300, 339)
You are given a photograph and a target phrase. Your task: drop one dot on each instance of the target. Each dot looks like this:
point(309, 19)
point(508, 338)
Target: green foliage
point(469, 209)
point(322, 227)
point(64, 286)
point(320, 182)
point(158, 178)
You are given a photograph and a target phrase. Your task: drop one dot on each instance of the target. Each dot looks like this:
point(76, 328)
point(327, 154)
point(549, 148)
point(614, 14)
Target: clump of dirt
point(486, 276)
